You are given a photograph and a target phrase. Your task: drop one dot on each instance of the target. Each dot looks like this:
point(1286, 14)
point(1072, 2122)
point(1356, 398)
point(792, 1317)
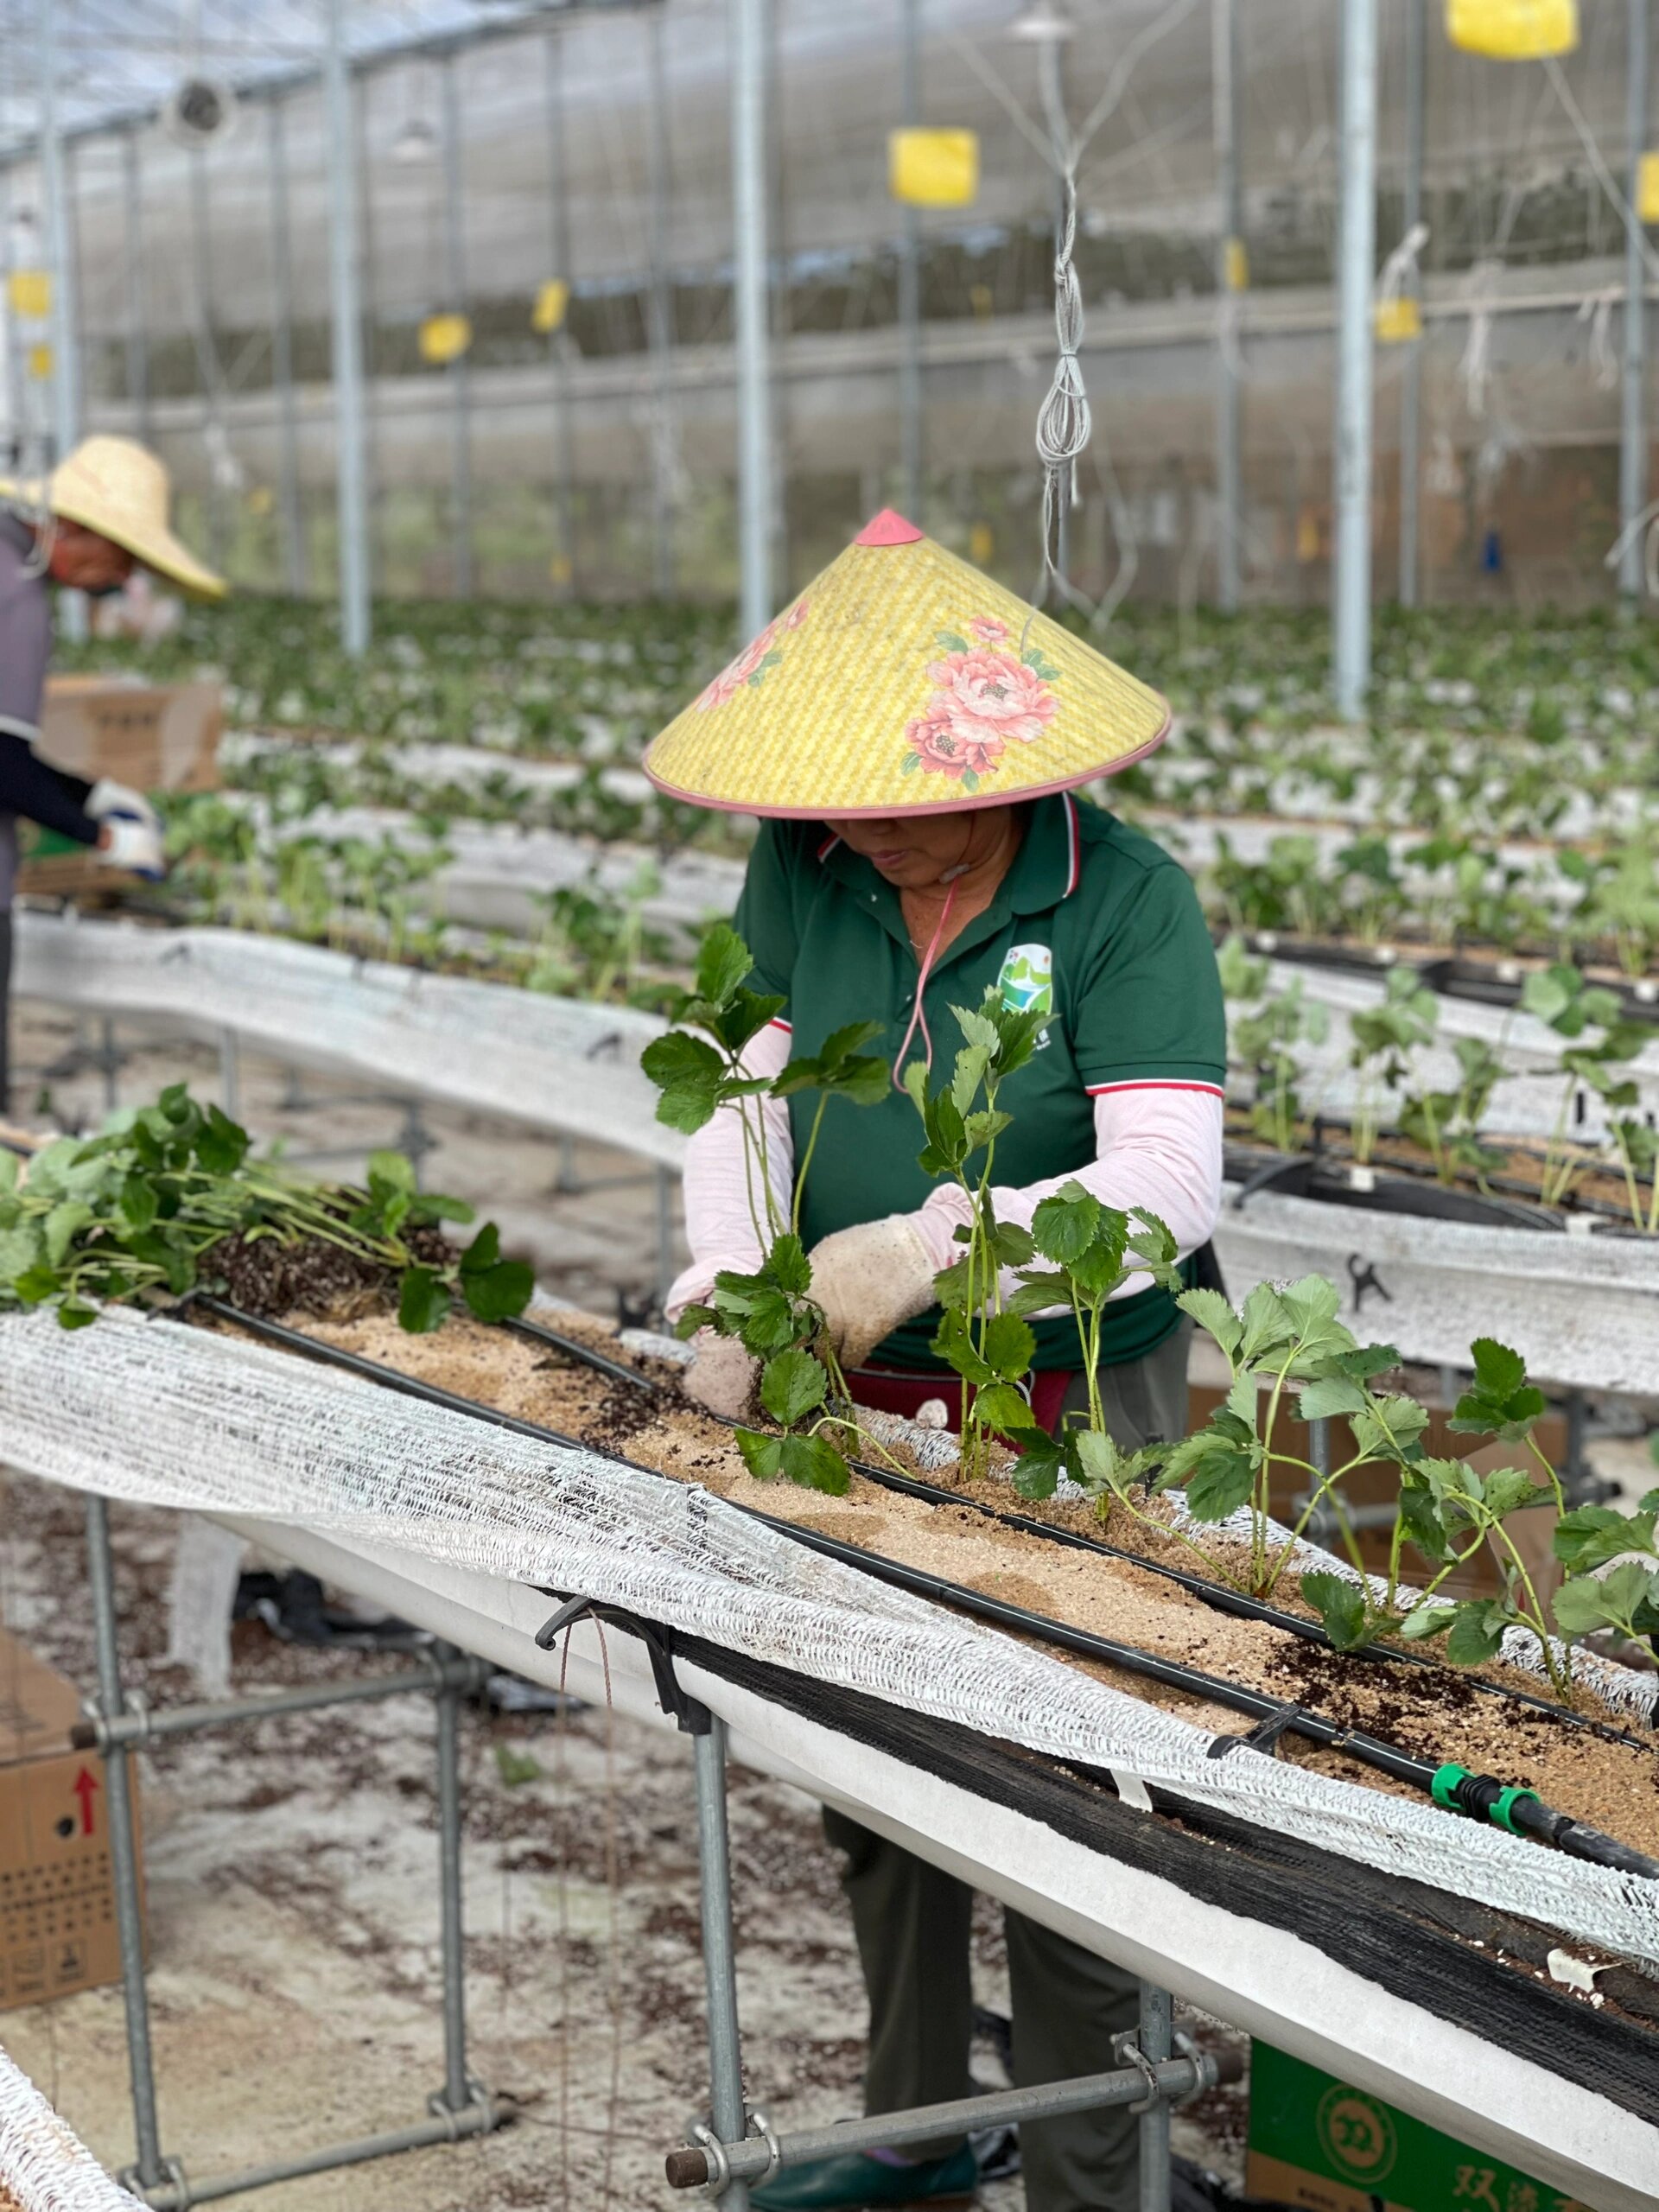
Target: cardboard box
point(157, 738)
point(1316, 2143)
point(57, 1896)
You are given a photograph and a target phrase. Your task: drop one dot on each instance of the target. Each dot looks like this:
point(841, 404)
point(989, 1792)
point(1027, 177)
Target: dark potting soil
point(267, 1277)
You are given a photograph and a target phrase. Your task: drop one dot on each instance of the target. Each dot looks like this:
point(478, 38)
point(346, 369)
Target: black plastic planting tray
point(1305, 1175)
point(1497, 981)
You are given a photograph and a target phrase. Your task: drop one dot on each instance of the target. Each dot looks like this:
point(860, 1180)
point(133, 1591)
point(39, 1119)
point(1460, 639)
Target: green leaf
point(787, 1265)
point(1341, 1605)
point(1001, 1407)
point(1501, 1402)
point(1101, 1468)
point(75, 1313)
point(1008, 1346)
point(689, 1072)
point(390, 1171)
point(483, 1252)
point(1390, 1428)
point(498, 1293)
point(1508, 1488)
point(1591, 1535)
point(744, 1015)
point(814, 1464)
point(1220, 1484)
point(955, 1345)
point(1328, 1397)
point(762, 1455)
point(1037, 1292)
point(138, 1203)
point(1042, 1462)
point(1425, 1621)
point(1477, 1632)
point(954, 642)
point(221, 1144)
point(63, 1224)
point(1064, 1225)
point(1612, 1600)
point(724, 961)
point(1214, 1315)
point(423, 1301)
point(791, 1385)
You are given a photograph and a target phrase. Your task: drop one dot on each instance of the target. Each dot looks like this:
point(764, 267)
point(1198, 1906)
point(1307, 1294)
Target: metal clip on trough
point(741, 2146)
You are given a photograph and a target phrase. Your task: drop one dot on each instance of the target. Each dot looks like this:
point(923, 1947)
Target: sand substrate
point(1435, 1712)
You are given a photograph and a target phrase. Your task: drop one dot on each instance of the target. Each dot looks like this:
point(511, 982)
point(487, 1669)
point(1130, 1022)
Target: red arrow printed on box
point(86, 1787)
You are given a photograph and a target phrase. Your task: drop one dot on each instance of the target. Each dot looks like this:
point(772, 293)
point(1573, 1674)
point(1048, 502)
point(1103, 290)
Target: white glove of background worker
point(868, 1280)
point(722, 1377)
point(134, 829)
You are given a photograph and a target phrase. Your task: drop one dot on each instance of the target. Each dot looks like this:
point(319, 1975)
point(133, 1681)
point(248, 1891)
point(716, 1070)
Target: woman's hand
point(721, 1376)
point(869, 1279)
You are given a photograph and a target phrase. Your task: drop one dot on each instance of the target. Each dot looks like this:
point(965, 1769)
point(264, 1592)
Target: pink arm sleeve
point(1155, 1147)
point(719, 1220)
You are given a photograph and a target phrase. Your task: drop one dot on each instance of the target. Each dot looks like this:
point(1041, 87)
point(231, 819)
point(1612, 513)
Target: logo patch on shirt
point(1026, 982)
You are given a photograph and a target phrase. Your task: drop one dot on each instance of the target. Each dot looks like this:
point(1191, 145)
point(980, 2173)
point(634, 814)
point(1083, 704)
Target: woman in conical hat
point(101, 512)
point(913, 736)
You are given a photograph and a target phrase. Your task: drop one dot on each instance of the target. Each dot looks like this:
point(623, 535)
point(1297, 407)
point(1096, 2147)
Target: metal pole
point(728, 2113)
point(910, 284)
point(1157, 2021)
point(137, 346)
point(457, 2092)
point(659, 310)
point(347, 332)
point(1052, 78)
point(281, 359)
point(1633, 431)
point(65, 363)
point(1351, 611)
point(748, 22)
point(1411, 386)
point(1230, 283)
point(124, 1852)
point(558, 343)
point(207, 354)
point(455, 279)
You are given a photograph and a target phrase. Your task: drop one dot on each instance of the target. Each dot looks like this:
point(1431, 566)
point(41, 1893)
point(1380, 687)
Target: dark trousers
point(5, 1012)
point(913, 1924)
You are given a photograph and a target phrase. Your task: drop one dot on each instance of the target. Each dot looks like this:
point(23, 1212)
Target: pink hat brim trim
point(964, 806)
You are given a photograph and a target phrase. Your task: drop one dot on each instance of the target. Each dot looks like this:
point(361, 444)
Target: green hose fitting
point(1502, 1815)
point(1443, 1788)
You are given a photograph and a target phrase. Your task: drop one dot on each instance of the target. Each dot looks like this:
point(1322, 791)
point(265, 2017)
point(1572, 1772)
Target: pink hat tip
point(888, 529)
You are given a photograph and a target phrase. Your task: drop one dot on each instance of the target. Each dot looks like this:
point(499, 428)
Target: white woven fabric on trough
point(151, 1411)
point(44, 2165)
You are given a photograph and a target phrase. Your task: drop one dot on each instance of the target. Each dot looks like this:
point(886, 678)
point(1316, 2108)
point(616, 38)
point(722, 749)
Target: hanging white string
point(1597, 309)
point(1647, 521)
point(1064, 421)
point(1480, 288)
point(1401, 267)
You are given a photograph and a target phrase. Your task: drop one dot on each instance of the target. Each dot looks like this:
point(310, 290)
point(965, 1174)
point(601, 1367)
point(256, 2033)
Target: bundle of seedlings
point(169, 1203)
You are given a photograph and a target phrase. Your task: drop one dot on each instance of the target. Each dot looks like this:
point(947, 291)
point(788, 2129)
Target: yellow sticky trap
point(39, 363)
point(445, 338)
point(1647, 188)
point(261, 499)
point(551, 302)
point(30, 292)
point(1398, 321)
point(1307, 535)
point(1513, 30)
point(559, 570)
point(981, 544)
point(982, 299)
point(933, 169)
point(1235, 266)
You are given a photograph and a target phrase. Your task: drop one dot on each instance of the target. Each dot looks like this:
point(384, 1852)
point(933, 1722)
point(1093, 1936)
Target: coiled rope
point(1063, 421)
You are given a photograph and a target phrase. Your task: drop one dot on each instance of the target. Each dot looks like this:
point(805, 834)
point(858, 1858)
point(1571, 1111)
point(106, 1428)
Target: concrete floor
point(292, 1867)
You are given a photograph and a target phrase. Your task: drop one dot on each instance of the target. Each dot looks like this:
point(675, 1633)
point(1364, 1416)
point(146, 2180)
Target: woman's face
point(83, 560)
point(917, 851)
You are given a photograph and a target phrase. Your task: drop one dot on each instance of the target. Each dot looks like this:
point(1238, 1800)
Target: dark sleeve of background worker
point(28, 786)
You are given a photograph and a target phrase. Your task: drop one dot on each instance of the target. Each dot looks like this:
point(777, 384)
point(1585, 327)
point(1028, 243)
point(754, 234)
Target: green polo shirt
point(1092, 920)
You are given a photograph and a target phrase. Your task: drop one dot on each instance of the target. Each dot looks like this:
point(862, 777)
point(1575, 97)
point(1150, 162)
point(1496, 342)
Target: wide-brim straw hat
point(903, 681)
point(115, 486)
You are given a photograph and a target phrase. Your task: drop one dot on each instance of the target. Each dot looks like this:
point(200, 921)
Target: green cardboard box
point(1317, 2143)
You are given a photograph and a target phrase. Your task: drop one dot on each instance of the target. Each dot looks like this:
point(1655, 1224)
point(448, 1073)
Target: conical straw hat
point(115, 487)
point(903, 682)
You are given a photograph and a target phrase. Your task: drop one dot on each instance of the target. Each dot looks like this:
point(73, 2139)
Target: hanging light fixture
point(1042, 24)
point(415, 143)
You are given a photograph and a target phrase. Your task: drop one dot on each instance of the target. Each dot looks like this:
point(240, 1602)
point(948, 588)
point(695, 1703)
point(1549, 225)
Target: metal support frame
point(1051, 78)
point(739, 2145)
point(659, 310)
point(912, 446)
point(1229, 246)
point(215, 436)
point(66, 357)
point(1411, 382)
point(291, 498)
point(1633, 431)
point(755, 453)
point(1351, 591)
point(558, 343)
point(345, 250)
point(114, 1727)
point(137, 331)
point(458, 372)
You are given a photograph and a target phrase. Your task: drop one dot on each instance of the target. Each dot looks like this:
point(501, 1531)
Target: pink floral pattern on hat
point(749, 668)
point(986, 696)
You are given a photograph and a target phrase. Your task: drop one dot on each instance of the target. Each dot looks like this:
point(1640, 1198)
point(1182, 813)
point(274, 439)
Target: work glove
point(134, 828)
point(869, 1279)
point(722, 1377)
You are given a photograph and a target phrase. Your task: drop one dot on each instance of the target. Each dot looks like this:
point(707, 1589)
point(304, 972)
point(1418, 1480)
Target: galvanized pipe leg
point(124, 1851)
point(1156, 2010)
point(726, 2113)
point(457, 2092)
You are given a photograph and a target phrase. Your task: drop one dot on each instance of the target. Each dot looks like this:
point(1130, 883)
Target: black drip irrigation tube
point(1451, 1786)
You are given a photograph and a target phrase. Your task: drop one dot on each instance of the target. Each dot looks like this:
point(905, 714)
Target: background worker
point(917, 750)
point(102, 510)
